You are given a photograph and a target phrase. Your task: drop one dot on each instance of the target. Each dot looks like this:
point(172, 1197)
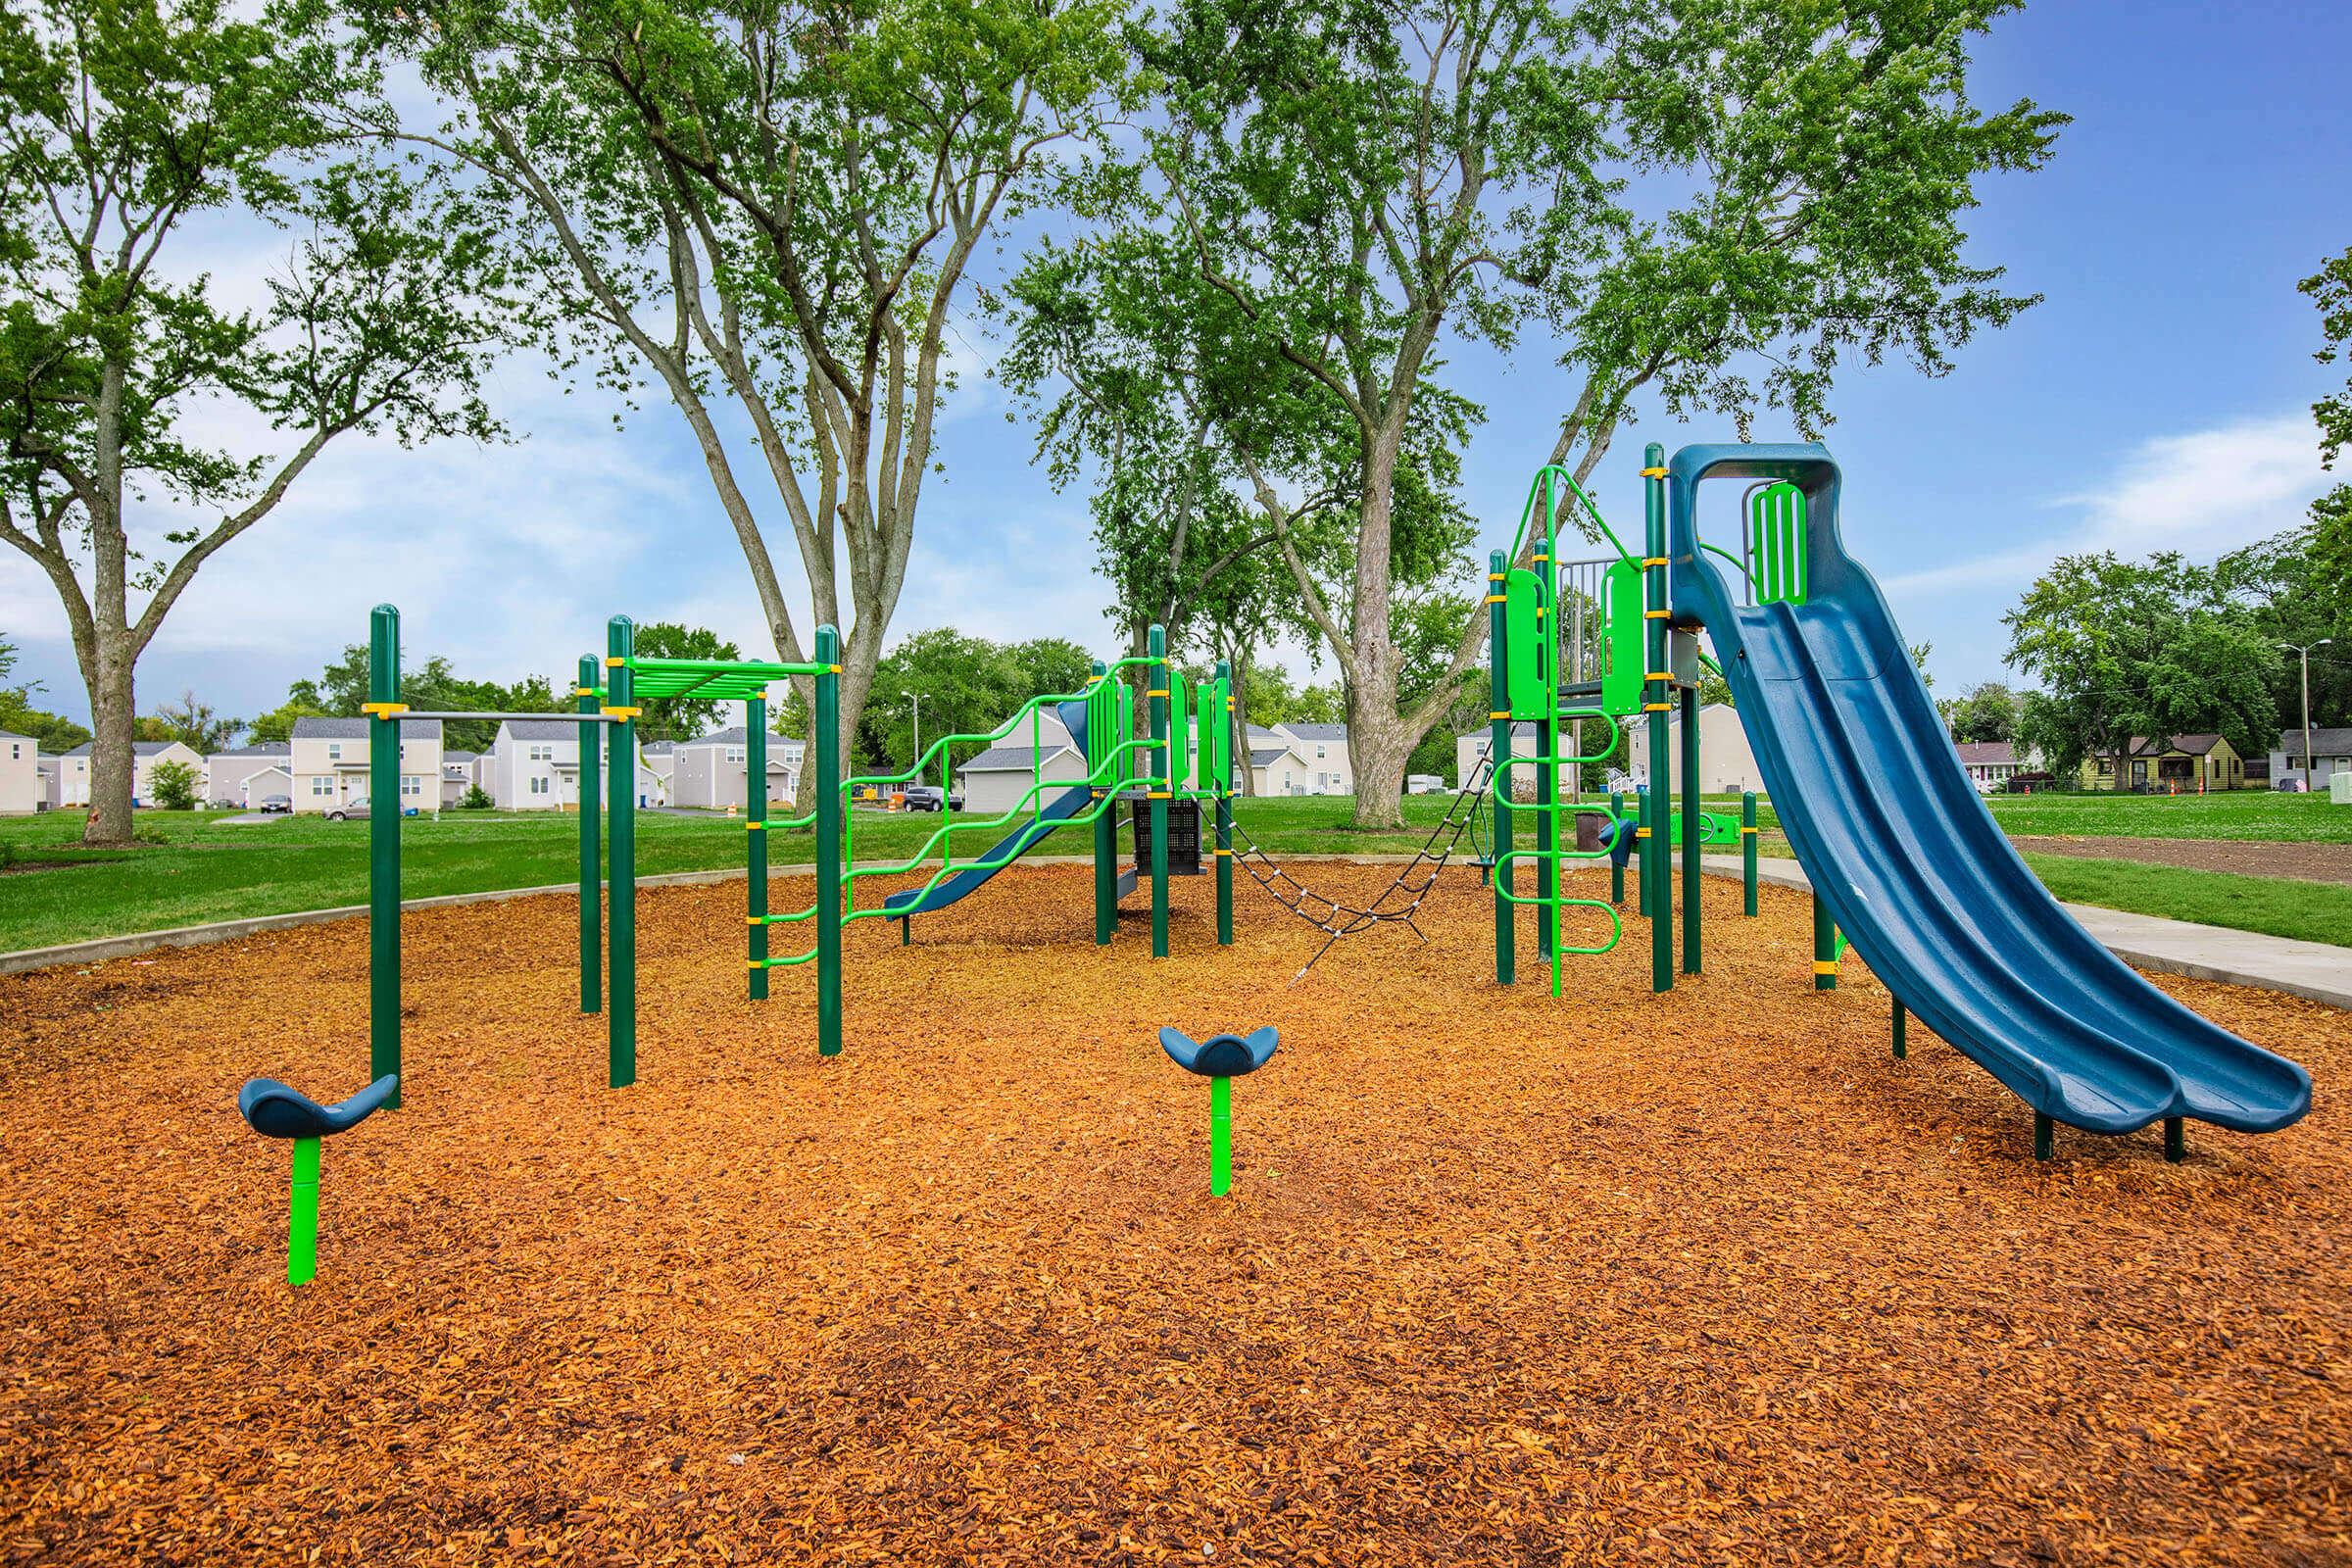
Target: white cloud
point(2201, 493)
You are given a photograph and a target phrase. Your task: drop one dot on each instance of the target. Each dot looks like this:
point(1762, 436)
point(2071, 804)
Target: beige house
point(457, 776)
point(250, 774)
point(2184, 764)
point(710, 772)
point(330, 756)
point(22, 791)
point(74, 779)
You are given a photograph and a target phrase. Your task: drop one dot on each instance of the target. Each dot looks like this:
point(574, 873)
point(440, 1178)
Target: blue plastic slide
point(1008, 848)
point(1910, 862)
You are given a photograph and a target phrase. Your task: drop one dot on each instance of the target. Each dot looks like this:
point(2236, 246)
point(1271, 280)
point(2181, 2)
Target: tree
point(1675, 187)
point(194, 725)
point(276, 726)
point(679, 718)
point(130, 124)
point(1985, 713)
point(2330, 289)
point(476, 799)
point(772, 205)
point(174, 786)
point(966, 685)
point(2292, 597)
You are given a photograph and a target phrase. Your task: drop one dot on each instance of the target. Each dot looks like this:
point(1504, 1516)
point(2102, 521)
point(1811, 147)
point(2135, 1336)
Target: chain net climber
point(1407, 890)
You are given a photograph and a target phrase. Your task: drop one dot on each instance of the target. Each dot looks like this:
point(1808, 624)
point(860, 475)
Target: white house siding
point(229, 776)
point(1726, 764)
point(329, 763)
point(1001, 783)
point(535, 765)
point(711, 772)
point(21, 787)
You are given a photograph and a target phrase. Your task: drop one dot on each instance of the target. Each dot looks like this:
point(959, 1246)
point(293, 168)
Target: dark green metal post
point(1693, 830)
point(1825, 947)
point(1223, 785)
point(1641, 878)
point(1616, 871)
point(1158, 786)
point(1656, 704)
point(592, 870)
point(1498, 755)
point(824, 739)
point(2044, 1136)
point(1547, 742)
point(755, 804)
point(1900, 1052)
point(383, 843)
point(302, 1213)
point(1748, 853)
point(621, 691)
point(1099, 749)
point(2176, 1139)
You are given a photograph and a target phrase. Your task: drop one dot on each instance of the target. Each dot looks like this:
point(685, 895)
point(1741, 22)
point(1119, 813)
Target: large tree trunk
point(1377, 743)
point(107, 663)
point(112, 715)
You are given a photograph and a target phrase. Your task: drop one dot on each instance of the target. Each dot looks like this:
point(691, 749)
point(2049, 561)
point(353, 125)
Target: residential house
point(710, 771)
point(1322, 752)
point(2331, 754)
point(330, 756)
point(999, 779)
point(1991, 764)
point(250, 774)
point(534, 765)
point(658, 757)
point(22, 791)
point(457, 776)
point(74, 780)
point(2188, 765)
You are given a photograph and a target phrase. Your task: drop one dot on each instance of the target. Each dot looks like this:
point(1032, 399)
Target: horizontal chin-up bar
point(552, 719)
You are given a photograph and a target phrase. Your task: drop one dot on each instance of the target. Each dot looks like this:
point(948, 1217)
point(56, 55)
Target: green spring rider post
point(1748, 853)
point(302, 1215)
point(1220, 1059)
point(1220, 1138)
point(824, 738)
point(592, 914)
point(621, 688)
point(1899, 1051)
point(1825, 947)
point(383, 845)
point(754, 796)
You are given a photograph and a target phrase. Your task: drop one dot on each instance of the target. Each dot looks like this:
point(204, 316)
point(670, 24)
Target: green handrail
point(1528, 512)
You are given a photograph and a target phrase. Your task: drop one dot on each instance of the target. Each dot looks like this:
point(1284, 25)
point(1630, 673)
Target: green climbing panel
point(1529, 671)
point(1621, 620)
point(1776, 545)
point(1714, 828)
point(1214, 740)
point(1180, 758)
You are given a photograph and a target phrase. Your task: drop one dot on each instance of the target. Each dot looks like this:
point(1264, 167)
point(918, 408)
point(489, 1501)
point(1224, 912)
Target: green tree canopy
point(967, 686)
point(50, 732)
point(681, 718)
point(2330, 546)
point(433, 684)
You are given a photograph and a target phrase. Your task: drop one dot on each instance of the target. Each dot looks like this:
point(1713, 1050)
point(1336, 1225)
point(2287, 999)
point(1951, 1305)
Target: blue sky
point(2158, 398)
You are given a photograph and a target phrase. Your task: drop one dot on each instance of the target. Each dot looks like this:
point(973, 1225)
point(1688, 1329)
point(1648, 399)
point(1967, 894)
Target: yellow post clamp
point(1495, 599)
point(1824, 967)
point(1159, 795)
point(584, 691)
point(1658, 614)
point(622, 714)
point(1498, 713)
point(1659, 674)
point(1495, 576)
point(1656, 561)
point(384, 709)
point(615, 661)
point(1640, 832)
point(755, 919)
point(1155, 694)
point(1657, 707)
point(753, 828)
point(1228, 853)
point(832, 669)
point(1533, 559)
point(1751, 830)
point(1655, 473)
point(755, 963)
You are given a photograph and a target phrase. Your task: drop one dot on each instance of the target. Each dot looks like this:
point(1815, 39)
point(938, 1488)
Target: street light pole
point(2305, 651)
point(915, 698)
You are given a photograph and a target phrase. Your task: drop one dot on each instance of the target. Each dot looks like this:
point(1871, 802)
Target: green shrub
point(174, 786)
point(476, 799)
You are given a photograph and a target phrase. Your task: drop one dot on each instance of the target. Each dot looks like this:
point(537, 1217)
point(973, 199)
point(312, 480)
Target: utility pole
point(915, 698)
point(2305, 651)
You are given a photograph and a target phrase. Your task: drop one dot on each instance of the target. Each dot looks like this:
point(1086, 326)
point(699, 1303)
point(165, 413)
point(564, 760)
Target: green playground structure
point(1166, 757)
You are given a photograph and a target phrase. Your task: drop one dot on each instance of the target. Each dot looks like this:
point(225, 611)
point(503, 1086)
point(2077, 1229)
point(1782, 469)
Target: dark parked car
point(928, 797)
point(277, 802)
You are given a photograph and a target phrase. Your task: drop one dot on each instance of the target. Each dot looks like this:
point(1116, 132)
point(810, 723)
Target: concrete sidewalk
point(2312, 969)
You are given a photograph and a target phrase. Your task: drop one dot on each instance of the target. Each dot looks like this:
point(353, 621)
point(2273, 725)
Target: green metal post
point(1158, 788)
point(302, 1215)
point(1220, 1137)
point(2176, 1139)
point(1900, 1051)
point(1223, 785)
point(2045, 1134)
point(824, 739)
point(1107, 829)
point(754, 798)
point(1498, 753)
point(1748, 853)
point(1657, 704)
point(1825, 947)
point(383, 845)
point(1642, 876)
point(621, 691)
point(1616, 871)
point(592, 868)
point(1548, 746)
point(1693, 830)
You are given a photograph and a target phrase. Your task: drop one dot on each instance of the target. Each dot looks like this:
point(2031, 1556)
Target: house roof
point(138, 748)
point(455, 754)
point(740, 735)
point(1987, 753)
point(2192, 745)
point(2324, 742)
point(358, 729)
point(1318, 732)
point(1014, 758)
point(266, 749)
point(541, 729)
point(11, 735)
point(656, 748)
point(1265, 756)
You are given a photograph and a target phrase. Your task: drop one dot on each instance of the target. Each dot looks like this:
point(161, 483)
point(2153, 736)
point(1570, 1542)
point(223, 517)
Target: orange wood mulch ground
point(1504, 1280)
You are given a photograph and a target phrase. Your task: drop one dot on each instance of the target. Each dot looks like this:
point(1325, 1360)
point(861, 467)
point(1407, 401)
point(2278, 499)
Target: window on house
point(542, 754)
point(734, 753)
point(1319, 754)
point(411, 784)
point(539, 785)
point(334, 750)
point(322, 785)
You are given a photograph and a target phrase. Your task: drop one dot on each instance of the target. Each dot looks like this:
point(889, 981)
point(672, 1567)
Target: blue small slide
point(1007, 849)
point(1912, 866)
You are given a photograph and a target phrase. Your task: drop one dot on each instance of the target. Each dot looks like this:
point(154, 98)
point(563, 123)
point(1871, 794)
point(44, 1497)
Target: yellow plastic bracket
point(1657, 707)
point(832, 669)
point(615, 661)
point(1655, 473)
point(1659, 674)
point(1499, 712)
point(755, 919)
point(1640, 832)
point(1495, 599)
point(585, 690)
point(1159, 795)
point(622, 712)
point(1751, 830)
point(753, 828)
point(1155, 694)
point(1824, 967)
point(1656, 560)
point(384, 709)
point(1658, 614)
point(1495, 576)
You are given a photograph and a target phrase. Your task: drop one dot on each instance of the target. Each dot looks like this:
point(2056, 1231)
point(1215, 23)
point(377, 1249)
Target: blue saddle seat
point(1220, 1055)
point(275, 1110)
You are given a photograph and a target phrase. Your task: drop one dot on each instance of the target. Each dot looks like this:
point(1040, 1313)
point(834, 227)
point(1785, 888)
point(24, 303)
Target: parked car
point(928, 797)
point(277, 802)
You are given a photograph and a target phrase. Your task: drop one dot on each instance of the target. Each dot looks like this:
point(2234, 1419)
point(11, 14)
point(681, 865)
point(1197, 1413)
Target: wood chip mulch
point(1504, 1280)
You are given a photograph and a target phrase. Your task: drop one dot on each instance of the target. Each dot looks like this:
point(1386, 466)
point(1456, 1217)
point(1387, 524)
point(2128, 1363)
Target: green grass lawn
point(194, 866)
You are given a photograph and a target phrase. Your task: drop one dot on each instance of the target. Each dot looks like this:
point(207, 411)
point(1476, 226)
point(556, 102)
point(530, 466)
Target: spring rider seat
point(1221, 1058)
point(275, 1110)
